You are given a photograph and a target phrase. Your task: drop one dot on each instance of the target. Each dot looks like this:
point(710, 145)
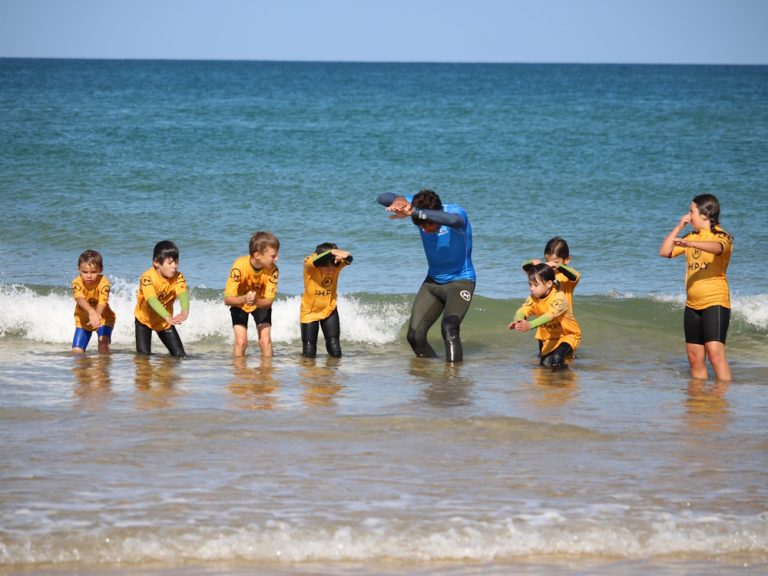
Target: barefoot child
point(250, 290)
point(707, 252)
point(92, 312)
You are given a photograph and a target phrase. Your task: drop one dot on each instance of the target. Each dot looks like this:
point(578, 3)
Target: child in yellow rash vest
point(707, 252)
point(251, 288)
point(159, 287)
point(318, 303)
point(92, 312)
point(559, 334)
point(558, 256)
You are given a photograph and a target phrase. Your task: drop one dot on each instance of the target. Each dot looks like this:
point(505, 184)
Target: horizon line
point(421, 62)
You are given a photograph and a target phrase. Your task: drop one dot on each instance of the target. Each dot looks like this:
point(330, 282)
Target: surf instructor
point(447, 238)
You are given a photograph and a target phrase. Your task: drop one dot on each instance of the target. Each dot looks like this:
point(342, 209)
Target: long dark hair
point(709, 207)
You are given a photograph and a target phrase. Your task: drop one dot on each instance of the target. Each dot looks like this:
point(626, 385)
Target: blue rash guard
point(449, 251)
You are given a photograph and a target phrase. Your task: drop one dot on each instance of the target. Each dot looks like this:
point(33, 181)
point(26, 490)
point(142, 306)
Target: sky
point(580, 31)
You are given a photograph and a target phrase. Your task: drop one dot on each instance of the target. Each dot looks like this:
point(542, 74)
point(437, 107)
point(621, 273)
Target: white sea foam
point(752, 309)
point(454, 539)
point(49, 318)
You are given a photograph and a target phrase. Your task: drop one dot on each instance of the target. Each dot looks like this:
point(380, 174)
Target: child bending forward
point(557, 331)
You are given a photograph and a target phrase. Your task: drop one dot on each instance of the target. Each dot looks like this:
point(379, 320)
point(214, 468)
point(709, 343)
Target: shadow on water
point(557, 387)
point(446, 387)
point(93, 381)
point(706, 407)
point(320, 380)
point(157, 381)
point(255, 388)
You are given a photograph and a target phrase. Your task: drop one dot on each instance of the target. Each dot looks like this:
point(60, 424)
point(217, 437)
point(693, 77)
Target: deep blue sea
point(379, 463)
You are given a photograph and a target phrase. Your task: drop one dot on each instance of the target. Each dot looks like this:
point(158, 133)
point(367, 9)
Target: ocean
point(379, 463)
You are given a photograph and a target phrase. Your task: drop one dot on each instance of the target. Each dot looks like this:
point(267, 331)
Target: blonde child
point(558, 332)
point(707, 252)
point(318, 303)
point(92, 312)
point(159, 287)
point(251, 288)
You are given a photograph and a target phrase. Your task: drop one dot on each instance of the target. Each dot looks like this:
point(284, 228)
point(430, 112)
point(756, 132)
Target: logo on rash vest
point(146, 281)
point(327, 281)
point(466, 295)
point(696, 254)
point(235, 274)
point(558, 305)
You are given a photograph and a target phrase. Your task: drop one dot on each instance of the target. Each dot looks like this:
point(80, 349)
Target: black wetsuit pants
point(556, 358)
point(452, 301)
point(331, 331)
point(170, 338)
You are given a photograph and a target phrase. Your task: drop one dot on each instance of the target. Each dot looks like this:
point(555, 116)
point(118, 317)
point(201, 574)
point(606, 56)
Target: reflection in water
point(320, 382)
point(156, 381)
point(556, 387)
point(254, 387)
point(707, 408)
point(446, 386)
point(92, 374)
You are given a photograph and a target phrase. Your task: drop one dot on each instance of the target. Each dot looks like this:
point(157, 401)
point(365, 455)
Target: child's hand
point(681, 242)
point(520, 325)
point(339, 255)
point(684, 221)
point(179, 318)
point(94, 319)
point(250, 298)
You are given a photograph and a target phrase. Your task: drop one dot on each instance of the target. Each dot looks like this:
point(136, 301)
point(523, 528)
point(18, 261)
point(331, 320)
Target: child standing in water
point(159, 287)
point(558, 332)
point(250, 290)
point(707, 252)
point(92, 312)
point(318, 303)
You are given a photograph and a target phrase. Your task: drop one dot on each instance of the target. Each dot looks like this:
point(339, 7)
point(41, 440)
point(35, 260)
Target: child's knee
point(241, 343)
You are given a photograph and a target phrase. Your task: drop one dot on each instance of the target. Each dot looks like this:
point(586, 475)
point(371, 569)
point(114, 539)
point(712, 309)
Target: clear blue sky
point(632, 31)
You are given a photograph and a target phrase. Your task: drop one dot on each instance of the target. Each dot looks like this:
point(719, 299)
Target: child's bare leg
point(265, 339)
point(104, 342)
point(241, 340)
point(696, 359)
point(716, 353)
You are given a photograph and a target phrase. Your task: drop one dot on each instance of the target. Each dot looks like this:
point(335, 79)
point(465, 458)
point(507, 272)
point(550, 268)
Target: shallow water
point(378, 463)
point(377, 460)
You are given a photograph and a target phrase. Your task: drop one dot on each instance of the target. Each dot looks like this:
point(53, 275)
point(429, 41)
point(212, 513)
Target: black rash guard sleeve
point(438, 217)
point(567, 272)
